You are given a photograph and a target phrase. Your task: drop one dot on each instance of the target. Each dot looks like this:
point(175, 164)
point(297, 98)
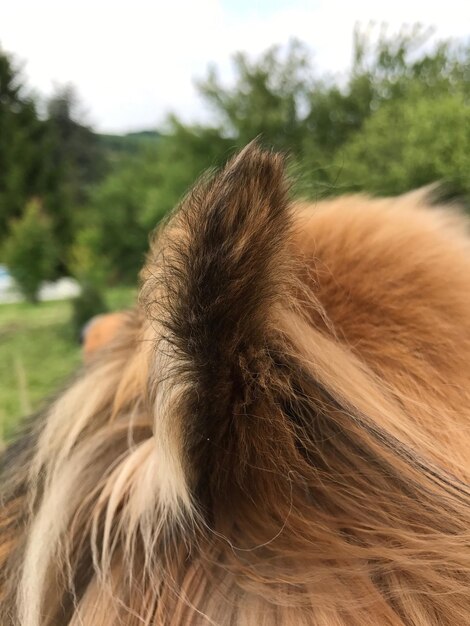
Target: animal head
point(258, 441)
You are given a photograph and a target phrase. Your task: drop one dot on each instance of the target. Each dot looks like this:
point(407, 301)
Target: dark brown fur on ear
point(214, 280)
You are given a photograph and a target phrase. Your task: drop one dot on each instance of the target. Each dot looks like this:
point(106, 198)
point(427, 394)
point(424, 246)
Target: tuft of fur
point(213, 327)
point(278, 433)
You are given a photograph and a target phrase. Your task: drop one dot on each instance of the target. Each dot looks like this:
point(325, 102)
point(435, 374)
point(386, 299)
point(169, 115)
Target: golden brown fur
point(278, 434)
point(99, 332)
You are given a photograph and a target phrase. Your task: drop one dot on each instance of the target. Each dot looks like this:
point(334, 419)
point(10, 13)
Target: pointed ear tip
point(255, 149)
point(256, 157)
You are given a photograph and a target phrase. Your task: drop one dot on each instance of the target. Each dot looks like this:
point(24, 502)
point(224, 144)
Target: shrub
point(88, 304)
point(30, 251)
point(410, 143)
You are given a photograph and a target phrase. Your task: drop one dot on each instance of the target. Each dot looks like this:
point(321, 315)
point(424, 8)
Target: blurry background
point(110, 110)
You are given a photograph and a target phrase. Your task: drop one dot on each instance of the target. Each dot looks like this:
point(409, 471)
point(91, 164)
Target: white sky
point(134, 61)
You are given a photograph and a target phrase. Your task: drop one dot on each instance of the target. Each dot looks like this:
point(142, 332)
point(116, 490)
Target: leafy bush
point(30, 251)
point(397, 119)
point(88, 304)
point(87, 261)
point(410, 143)
point(141, 190)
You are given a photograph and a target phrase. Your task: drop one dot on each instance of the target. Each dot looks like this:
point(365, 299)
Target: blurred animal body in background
point(99, 331)
point(278, 433)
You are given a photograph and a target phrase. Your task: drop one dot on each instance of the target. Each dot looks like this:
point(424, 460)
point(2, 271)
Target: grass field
point(38, 353)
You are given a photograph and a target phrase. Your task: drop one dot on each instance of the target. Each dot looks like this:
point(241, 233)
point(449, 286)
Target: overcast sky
point(134, 61)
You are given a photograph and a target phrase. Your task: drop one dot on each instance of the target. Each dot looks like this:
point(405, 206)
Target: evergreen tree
point(22, 137)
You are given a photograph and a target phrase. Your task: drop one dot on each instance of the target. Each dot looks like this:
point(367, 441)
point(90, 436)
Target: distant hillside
point(117, 146)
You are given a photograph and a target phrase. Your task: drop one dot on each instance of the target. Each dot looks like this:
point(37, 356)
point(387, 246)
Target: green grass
point(38, 353)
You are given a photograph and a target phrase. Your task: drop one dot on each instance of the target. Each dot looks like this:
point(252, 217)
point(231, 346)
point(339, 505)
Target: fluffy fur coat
point(277, 435)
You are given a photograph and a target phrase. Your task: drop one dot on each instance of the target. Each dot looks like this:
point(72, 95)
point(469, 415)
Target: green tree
point(141, 189)
point(76, 160)
point(77, 150)
point(22, 138)
point(269, 97)
point(115, 215)
point(409, 143)
point(29, 251)
point(279, 97)
point(394, 95)
point(89, 266)
point(385, 72)
point(55, 158)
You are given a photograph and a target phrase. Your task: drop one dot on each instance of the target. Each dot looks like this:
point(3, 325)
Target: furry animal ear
point(214, 281)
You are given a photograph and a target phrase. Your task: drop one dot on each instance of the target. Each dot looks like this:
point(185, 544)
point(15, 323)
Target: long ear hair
point(230, 458)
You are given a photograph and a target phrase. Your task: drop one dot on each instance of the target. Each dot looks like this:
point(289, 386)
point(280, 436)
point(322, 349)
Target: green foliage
point(338, 132)
point(385, 73)
point(76, 158)
point(138, 193)
point(54, 159)
point(23, 171)
point(29, 251)
point(313, 117)
point(410, 143)
point(85, 306)
point(91, 270)
point(396, 120)
point(86, 261)
point(268, 98)
point(115, 216)
point(116, 147)
point(184, 153)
